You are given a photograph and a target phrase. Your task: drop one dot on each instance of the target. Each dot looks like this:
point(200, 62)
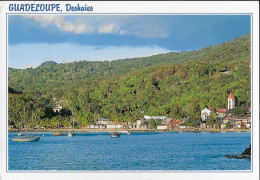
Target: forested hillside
point(175, 84)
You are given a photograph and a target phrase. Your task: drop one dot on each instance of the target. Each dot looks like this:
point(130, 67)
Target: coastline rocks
point(244, 155)
point(247, 151)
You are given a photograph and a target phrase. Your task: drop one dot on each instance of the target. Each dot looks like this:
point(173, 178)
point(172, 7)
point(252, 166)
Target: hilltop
point(47, 63)
point(52, 74)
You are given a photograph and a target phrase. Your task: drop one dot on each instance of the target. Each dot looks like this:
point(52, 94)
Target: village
point(223, 120)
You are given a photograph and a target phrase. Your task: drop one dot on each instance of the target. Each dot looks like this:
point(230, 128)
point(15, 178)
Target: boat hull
point(57, 134)
point(26, 139)
point(115, 134)
point(70, 134)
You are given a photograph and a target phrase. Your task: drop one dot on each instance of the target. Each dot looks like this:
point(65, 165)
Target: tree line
point(177, 85)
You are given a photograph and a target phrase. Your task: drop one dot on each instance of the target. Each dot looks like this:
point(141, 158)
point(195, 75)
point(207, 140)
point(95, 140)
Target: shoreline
point(137, 130)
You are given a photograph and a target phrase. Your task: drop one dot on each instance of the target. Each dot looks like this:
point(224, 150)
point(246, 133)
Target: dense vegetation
point(175, 84)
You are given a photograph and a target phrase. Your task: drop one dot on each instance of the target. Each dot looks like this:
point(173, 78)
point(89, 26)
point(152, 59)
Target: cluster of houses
point(227, 122)
point(143, 123)
point(166, 123)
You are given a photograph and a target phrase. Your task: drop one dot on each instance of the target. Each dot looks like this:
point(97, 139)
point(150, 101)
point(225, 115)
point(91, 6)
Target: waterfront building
point(132, 125)
point(162, 127)
point(221, 112)
point(205, 113)
point(175, 124)
point(155, 117)
point(115, 125)
point(231, 101)
point(141, 124)
point(102, 123)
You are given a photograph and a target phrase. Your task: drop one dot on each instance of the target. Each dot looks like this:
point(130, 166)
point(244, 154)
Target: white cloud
point(109, 28)
point(60, 23)
point(147, 27)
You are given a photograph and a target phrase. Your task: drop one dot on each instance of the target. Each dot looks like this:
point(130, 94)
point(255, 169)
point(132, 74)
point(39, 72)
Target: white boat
point(26, 138)
point(20, 134)
point(114, 134)
point(71, 133)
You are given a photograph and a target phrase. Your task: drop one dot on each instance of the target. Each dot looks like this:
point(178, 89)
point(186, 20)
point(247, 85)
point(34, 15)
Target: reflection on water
point(138, 151)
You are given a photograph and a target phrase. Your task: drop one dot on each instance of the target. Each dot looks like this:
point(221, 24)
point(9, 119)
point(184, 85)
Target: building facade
point(231, 101)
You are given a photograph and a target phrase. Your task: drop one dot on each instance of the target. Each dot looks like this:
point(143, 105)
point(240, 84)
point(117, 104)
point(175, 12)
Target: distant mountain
point(50, 73)
point(47, 63)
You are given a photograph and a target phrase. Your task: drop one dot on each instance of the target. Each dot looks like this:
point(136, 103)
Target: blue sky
point(33, 39)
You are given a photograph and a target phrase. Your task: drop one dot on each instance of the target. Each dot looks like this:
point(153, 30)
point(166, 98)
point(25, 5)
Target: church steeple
point(231, 101)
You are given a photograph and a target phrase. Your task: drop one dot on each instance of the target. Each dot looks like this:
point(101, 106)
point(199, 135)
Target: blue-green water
point(138, 151)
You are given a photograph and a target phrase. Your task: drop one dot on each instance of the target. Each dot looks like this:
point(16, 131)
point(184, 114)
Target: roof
point(231, 96)
point(211, 109)
point(112, 123)
point(168, 120)
point(221, 110)
point(155, 117)
point(175, 122)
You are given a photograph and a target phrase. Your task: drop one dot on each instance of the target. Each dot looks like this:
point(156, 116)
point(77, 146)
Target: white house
point(205, 113)
point(57, 108)
point(102, 123)
point(155, 117)
point(114, 125)
point(162, 127)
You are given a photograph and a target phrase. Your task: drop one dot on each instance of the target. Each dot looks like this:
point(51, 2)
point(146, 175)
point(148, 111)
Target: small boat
point(181, 132)
point(115, 134)
point(128, 133)
point(71, 133)
point(20, 134)
point(26, 138)
point(57, 134)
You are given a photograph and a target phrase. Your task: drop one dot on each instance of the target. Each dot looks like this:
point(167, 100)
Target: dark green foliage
point(47, 63)
point(177, 85)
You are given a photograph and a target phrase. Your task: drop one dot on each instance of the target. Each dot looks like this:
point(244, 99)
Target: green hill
point(174, 84)
point(47, 63)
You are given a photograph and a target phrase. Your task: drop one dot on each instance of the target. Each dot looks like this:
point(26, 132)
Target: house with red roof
point(221, 112)
point(175, 123)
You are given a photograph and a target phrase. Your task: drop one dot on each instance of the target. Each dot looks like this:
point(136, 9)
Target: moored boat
point(57, 134)
point(115, 134)
point(20, 134)
point(26, 138)
point(71, 133)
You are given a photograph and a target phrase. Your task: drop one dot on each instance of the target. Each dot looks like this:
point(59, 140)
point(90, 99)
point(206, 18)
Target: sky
point(33, 39)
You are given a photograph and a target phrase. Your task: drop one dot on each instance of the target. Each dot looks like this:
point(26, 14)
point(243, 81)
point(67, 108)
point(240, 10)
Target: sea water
point(138, 151)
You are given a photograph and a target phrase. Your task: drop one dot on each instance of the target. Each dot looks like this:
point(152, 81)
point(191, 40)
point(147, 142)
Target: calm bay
point(138, 151)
